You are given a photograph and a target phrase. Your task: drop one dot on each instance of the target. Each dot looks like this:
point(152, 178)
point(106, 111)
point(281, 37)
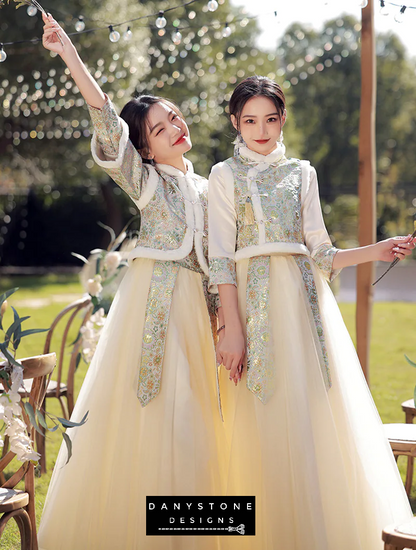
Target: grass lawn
point(392, 379)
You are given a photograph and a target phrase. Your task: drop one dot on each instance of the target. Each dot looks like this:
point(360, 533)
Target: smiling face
point(167, 135)
point(260, 124)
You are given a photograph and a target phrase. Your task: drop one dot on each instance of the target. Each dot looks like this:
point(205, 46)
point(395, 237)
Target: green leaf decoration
point(33, 331)
point(98, 266)
point(17, 334)
point(80, 257)
point(41, 420)
point(410, 362)
point(8, 355)
point(32, 417)
point(109, 229)
point(69, 424)
point(77, 361)
point(79, 336)
point(68, 446)
point(3, 298)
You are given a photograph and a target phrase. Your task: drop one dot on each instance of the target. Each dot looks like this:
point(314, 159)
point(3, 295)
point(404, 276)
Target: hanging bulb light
point(114, 35)
point(3, 54)
point(161, 21)
point(399, 17)
point(384, 10)
point(226, 32)
point(128, 35)
point(212, 5)
point(362, 3)
point(31, 11)
point(176, 38)
point(80, 24)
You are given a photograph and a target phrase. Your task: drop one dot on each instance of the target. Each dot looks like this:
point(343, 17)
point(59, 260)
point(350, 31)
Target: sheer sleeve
point(314, 231)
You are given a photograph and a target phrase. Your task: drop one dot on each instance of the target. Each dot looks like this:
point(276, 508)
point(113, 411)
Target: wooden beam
point(366, 184)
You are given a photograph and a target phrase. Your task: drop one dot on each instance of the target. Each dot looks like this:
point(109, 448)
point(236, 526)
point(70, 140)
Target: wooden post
point(366, 184)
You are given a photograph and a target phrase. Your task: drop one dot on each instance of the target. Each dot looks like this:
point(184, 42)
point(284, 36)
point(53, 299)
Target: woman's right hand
point(231, 351)
point(54, 37)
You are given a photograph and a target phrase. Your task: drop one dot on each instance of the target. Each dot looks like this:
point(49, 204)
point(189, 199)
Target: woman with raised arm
point(154, 426)
point(306, 438)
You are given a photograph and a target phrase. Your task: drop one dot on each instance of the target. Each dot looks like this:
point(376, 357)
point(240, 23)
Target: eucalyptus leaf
point(41, 420)
point(68, 446)
point(77, 361)
point(80, 257)
point(69, 424)
point(3, 298)
point(32, 417)
point(410, 362)
point(8, 355)
point(33, 331)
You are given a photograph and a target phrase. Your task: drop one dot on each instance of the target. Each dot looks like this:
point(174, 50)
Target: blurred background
point(52, 195)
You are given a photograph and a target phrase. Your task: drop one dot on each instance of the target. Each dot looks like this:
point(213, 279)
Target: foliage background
point(51, 194)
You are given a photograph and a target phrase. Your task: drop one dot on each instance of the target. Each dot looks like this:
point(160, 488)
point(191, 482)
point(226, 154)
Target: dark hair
point(254, 86)
point(136, 113)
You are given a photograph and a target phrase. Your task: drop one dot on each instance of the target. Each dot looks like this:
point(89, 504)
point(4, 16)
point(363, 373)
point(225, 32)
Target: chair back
point(68, 317)
point(39, 369)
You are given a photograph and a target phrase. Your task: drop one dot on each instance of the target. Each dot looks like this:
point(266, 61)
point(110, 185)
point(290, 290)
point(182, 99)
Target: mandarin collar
point(172, 171)
point(275, 156)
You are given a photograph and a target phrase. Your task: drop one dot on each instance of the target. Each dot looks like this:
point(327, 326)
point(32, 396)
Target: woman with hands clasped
point(305, 436)
point(154, 426)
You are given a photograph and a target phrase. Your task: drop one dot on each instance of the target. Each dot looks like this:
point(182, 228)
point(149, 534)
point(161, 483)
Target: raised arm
point(56, 40)
point(111, 147)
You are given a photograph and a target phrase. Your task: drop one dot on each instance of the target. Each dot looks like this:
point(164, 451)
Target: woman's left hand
point(396, 247)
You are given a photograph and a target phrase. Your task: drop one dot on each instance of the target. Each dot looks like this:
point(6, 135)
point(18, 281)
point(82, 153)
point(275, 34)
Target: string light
point(3, 54)
point(176, 38)
point(399, 17)
point(384, 10)
point(80, 24)
point(161, 21)
point(114, 35)
point(31, 11)
point(226, 32)
point(212, 5)
point(128, 35)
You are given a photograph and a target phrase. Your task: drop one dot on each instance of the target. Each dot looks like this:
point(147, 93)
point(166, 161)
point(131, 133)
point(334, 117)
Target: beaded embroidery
point(324, 259)
point(305, 267)
point(260, 367)
point(222, 271)
point(155, 329)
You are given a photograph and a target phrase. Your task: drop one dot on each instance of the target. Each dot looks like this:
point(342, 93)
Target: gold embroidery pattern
point(222, 271)
point(108, 130)
point(155, 329)
point(304, 264)
point(324, 258)
point(260, 368)
point(280, 196)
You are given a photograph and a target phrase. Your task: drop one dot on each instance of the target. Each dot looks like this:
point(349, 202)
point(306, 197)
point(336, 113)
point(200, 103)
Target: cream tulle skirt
point(317, 461)
point(125, 452)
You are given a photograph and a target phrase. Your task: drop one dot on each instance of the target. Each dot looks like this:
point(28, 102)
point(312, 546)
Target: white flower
point(98, 318)
point(94, 286)
point(112, 261)
point(17, 378)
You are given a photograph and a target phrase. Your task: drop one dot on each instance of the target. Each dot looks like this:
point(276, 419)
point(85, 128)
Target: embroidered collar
point(172, 171)
point(275, 157)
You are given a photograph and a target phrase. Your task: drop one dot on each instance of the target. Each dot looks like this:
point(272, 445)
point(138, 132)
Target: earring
point(281, 138)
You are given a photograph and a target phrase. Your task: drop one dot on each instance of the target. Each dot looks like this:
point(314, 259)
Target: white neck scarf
point(275, 157)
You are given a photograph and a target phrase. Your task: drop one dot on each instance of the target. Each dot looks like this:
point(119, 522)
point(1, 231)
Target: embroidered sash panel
point(260, 368)
point(305, 267)
point(155, 329)
point(261, 374)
